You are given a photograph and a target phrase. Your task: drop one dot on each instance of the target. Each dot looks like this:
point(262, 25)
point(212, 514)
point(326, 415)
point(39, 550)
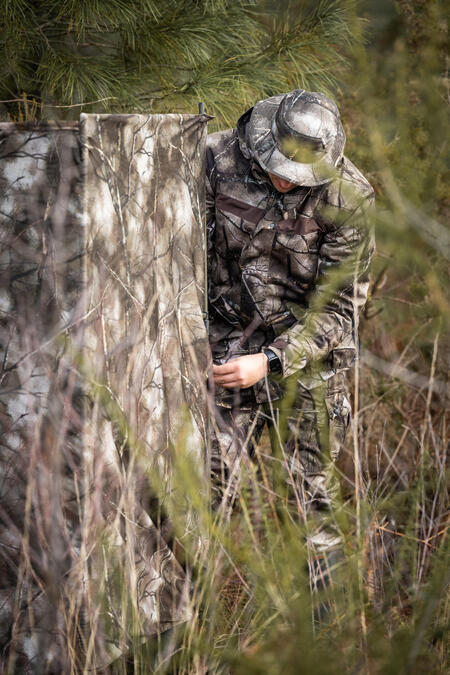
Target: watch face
point(274, 361)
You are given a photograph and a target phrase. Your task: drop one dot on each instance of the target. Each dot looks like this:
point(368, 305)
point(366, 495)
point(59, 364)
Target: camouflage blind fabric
point(104, 355)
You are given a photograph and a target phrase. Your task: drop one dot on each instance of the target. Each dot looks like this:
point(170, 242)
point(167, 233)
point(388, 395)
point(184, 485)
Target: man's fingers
point(228, 376)
point(241, 372)
point(229, 383)
point(224, 369)
point(220, 379)
point(233, 384)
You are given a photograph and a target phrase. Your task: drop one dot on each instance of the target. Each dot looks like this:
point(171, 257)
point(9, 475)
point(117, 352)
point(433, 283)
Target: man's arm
point(340, 290)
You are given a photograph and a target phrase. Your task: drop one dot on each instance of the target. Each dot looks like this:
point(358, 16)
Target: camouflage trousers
point(307, 430)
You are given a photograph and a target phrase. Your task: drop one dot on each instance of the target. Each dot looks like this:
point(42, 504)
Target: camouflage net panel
point(104, 355)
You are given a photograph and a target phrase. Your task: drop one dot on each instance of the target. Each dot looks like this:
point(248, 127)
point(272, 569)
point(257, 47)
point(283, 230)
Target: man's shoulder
point(222, 151)
point(349, 189)
point(221, 139)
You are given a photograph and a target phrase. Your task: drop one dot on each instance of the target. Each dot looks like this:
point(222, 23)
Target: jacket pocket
point(339, 416)
point(300, 235)
point(294, 254)
point(343, 358)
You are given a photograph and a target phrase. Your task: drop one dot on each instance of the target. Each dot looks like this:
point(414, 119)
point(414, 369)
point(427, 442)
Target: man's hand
point(241, 372)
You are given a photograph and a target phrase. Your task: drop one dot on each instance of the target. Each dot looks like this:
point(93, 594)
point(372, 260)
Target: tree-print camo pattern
point(289, 271)
point(104, 355)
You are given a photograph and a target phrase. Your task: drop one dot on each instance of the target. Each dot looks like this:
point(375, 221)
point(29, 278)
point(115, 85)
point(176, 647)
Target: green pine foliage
point(151, 56)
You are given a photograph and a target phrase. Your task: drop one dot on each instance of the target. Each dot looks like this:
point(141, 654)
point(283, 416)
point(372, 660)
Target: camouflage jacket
point(288, 270)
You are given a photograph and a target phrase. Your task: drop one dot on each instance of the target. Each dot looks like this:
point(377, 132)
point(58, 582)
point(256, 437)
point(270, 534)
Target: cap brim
point(273, 161)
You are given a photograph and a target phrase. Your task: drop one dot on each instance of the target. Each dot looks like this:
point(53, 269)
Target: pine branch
point(145, 55)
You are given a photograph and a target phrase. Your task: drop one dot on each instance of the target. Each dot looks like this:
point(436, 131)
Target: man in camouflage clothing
point(290, 245)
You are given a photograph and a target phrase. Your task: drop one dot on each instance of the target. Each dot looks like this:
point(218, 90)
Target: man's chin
point(278, 186)
point(284, 190)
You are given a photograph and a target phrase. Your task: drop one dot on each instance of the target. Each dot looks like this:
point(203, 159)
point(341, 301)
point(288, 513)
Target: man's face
point(280, 184)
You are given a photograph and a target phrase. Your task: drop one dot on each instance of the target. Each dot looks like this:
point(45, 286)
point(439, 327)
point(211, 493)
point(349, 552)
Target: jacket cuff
point(289, 366)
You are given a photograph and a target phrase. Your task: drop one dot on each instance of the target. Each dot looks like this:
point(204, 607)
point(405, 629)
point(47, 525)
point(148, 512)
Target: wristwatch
point(274, 361)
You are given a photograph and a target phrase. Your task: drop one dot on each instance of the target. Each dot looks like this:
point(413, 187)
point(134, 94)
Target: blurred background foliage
point(386, 63)
point(395, 104)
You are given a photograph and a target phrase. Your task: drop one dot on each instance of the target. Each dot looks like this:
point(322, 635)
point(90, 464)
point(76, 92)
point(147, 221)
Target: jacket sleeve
point(340, 291)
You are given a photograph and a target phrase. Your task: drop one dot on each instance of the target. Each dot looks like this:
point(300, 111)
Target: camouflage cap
point(297, 136)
